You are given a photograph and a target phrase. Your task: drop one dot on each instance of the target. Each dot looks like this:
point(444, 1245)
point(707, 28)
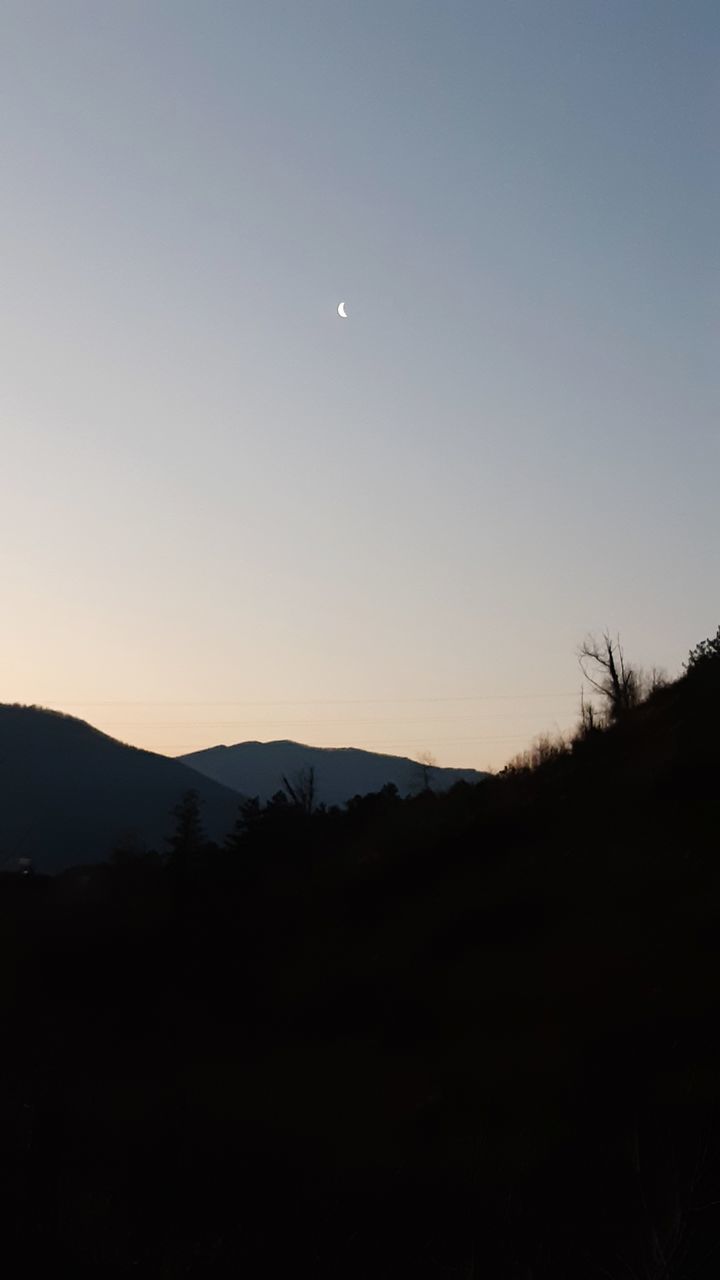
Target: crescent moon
point(342, 312)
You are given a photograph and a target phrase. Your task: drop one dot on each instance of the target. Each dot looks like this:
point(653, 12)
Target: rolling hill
point(258, 768)
point(71, 794)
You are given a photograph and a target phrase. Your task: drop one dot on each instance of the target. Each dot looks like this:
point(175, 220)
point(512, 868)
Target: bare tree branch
point(609, 674)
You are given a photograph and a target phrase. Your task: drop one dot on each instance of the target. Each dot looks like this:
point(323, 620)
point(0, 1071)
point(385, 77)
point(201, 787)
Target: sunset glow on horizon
point(224, 515)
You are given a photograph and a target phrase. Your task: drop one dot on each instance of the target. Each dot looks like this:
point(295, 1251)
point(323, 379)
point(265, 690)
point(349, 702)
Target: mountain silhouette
point(72, 794)
point(258, 769)
point(491, 1010)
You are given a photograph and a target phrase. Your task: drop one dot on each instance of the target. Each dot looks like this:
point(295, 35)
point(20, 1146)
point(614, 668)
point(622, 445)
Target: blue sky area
point(227, 514)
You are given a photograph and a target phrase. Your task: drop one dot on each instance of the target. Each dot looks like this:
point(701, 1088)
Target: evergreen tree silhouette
point(187, 843)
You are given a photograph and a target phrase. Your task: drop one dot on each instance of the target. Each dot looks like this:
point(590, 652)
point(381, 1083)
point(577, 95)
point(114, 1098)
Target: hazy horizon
point(228, 515)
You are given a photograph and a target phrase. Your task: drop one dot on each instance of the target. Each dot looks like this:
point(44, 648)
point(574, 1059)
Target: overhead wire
point(303, 702)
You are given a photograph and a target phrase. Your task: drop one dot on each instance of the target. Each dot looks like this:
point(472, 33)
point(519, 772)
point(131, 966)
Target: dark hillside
point(71, 794)
point(464, 1035)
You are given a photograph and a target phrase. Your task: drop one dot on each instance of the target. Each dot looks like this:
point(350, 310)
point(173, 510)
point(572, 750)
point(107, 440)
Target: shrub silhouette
point(705, 653)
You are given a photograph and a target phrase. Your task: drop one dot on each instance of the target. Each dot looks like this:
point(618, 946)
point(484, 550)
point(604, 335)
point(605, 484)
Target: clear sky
point(225, 513)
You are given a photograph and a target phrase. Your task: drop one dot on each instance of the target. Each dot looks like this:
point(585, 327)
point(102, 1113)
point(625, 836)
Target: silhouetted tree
point(302, 789)
point(705, 652)
point(423, 775)
point(588, 718)
point(657, 679)
point(249, 816)
point(187, 843)
point(546, 747)
point(619, 684)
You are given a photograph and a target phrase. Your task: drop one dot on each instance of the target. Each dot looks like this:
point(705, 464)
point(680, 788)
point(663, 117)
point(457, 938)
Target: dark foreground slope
point(471, 1035)
point(258, 769)
point(71, 794)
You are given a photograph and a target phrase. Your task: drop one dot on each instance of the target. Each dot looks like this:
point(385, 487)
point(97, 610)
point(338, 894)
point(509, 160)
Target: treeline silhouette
point(469, 1034)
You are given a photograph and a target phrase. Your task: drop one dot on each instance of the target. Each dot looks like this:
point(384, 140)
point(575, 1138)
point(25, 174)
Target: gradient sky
point(227, 514)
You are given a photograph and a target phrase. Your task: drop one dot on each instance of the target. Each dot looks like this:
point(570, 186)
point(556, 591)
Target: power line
point(305, 702)
point(313, 724)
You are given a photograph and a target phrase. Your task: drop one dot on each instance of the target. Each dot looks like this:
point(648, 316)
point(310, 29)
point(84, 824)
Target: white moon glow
point(342, 312)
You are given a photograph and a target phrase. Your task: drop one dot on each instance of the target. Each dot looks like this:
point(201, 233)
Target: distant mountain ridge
point(71, 794)
point(258, 768)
